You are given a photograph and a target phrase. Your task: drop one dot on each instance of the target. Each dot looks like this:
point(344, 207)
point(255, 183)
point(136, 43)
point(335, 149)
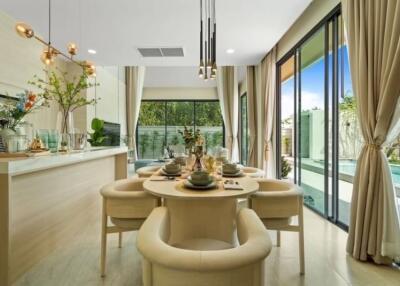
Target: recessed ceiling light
point(93, 52)
point(230, 51)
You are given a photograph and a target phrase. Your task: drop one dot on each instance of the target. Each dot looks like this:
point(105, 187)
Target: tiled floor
point(326, 261)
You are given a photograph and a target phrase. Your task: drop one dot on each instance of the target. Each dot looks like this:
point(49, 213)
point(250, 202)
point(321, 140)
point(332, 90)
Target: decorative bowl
point(200, 178)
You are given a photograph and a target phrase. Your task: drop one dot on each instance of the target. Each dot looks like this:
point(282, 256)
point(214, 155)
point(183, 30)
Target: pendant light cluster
point(208, 40)
point(50, 53)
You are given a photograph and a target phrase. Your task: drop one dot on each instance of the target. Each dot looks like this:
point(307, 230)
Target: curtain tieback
point(374, 146)
point(267, 149)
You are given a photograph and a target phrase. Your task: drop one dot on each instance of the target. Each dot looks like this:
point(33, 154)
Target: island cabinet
point(47, 201)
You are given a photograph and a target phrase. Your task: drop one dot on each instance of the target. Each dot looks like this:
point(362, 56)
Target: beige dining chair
point(276, 203)
point(148, 171)
point(253, 172)
point(127, 205)
point(196, 261)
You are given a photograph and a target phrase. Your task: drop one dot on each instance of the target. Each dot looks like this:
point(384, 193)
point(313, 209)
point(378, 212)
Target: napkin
point(233, 187)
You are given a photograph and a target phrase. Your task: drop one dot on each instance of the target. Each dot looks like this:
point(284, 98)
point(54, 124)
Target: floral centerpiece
point(68, 93)
point(191, 138)
point(194, 145)
point(11, 113)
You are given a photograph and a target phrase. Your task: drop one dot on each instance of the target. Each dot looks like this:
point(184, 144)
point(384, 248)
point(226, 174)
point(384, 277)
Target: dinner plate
point(233, 175)
point(189, 185)
point(170, 174)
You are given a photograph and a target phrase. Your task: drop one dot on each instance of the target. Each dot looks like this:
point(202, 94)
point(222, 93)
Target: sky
point(312, 87)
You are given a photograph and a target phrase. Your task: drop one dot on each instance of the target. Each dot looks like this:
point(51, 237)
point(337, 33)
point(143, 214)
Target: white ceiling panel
point(115, 29)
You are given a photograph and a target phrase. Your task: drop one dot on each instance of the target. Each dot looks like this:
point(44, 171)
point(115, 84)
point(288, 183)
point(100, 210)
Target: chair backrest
point(127, 199)
point(148, 171)
point(253, 172)
point(185, 222)
point(276, 199)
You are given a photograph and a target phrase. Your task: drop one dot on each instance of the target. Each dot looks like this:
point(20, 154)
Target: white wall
point(110, 93)
point(20, 61)
point(167, 93)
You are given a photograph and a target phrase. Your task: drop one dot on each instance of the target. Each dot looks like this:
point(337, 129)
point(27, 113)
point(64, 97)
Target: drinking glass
point(65, 142)
point(43, 135)
point(53, 140)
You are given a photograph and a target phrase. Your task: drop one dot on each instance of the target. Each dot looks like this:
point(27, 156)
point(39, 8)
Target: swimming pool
point(348, 167)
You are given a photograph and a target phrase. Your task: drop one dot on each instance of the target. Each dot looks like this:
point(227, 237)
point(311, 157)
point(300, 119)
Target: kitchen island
point(46, 201)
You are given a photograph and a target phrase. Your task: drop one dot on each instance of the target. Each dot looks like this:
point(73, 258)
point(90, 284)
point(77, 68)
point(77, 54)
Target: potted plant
point(97, 137)
point(286, 168)
point(68, 93)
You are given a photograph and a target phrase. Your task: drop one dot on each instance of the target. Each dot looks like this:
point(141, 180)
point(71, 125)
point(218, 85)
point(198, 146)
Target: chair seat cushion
point(203, 244)
point(274, 223)
point(128, 223)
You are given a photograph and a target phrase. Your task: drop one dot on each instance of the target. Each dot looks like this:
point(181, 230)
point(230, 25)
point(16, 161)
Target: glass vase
point(65, 122)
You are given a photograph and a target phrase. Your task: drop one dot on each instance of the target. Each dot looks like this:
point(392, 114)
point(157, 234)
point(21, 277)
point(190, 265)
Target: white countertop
point(17, 166)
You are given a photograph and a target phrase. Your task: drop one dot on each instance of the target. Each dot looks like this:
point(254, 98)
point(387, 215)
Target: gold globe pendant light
point(208, 40)
point(50, 53)
point(24, 30)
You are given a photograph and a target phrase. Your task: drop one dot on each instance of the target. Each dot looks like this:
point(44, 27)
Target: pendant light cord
point(49, 22)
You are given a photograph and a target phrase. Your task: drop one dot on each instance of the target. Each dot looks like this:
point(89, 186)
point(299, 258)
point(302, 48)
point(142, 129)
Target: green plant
point(143, 142)
point(191, 138)
point(286, 168)
point(12, 113)
point(67, 93)
point(97, 137)
point(286, 141)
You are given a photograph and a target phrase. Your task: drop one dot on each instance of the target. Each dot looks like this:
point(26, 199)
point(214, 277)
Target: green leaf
point(97, 124)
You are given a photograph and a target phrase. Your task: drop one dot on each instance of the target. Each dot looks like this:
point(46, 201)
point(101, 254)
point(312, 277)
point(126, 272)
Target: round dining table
point(201, 213)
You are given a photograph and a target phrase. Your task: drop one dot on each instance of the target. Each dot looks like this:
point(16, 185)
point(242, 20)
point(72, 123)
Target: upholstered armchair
point(148, 171)
point(127, 206)
point(276, 203)
point(253, 172)
point(203, 261)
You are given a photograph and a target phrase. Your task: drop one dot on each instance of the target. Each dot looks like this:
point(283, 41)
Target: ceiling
point(115, 29)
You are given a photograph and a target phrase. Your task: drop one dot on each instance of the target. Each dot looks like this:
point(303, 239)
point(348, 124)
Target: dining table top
point(176, 188)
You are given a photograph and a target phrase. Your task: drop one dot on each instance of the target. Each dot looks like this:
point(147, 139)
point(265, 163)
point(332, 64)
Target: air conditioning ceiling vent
point(161, 52)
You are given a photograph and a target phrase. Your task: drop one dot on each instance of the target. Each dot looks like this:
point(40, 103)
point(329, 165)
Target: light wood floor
point(326, 261)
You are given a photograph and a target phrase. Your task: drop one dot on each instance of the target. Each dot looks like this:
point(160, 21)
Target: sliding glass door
point(319, 138)
point(161, 120)
point(312, 123)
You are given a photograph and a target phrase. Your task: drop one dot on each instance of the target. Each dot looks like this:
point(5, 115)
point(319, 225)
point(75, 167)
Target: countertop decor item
point(97, 137)
point(68, 93)
point(12, 112)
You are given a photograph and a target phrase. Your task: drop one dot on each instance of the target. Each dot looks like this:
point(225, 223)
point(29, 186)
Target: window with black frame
point(244, 130)
point(317, 126)
point(160, 121)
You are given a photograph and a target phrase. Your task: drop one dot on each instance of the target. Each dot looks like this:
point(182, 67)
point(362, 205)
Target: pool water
point(349, 167)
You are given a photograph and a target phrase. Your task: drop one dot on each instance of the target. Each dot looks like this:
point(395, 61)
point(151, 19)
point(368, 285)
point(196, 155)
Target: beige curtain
point(268, 91)
point(134, 91)
point(373, 35)
point(252, 115)
point(228, 95)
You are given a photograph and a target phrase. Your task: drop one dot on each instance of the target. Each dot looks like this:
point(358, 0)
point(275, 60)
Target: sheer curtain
point(373, 35)
point(268, 91)
point(227, 87)
point(252, 115)
point(134, 91)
